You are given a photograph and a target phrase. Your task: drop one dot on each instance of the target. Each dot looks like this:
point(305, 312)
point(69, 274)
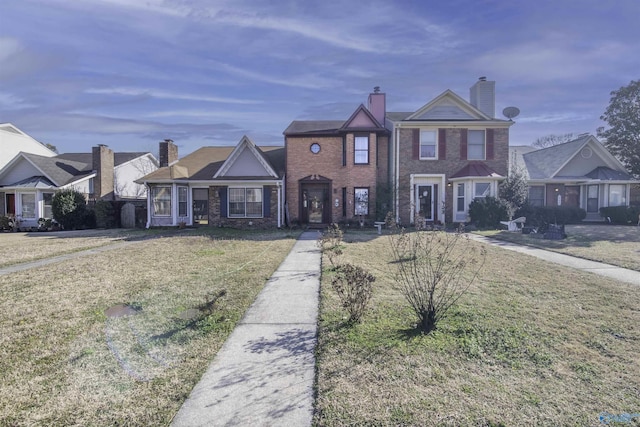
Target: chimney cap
point(376, 89)
point(102, 145)
point(483, 78)
point(168, 140)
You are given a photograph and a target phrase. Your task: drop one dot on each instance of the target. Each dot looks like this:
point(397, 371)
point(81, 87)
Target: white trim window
point(476, 146)
point(182, 201)
point(361, 150)
point(245, 202)
point(28, 201)
point(47, 199)
point(617, 195)
point(461, 206)
point(161, 199)
point(481, 190)
point(428, 145)
point(361, 197)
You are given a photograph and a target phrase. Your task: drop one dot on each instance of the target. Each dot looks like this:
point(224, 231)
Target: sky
point(130, 73)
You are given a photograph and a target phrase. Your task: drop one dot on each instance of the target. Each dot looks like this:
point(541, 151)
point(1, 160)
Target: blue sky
point(129, 73)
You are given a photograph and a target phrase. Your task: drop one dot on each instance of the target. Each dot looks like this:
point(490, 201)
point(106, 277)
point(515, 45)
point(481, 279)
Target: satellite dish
point(511, 112)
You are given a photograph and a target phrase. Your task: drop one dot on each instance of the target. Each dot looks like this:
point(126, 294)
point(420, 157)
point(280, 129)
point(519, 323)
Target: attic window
point(586, 153)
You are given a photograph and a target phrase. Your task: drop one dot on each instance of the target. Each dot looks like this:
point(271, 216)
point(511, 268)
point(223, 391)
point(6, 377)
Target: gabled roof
point(313, 127)
point(252, 154)
point(205, 162)
point(33, 182)
point(476, 170)
point(362, 119)
point(64, 169)
point(604, 173)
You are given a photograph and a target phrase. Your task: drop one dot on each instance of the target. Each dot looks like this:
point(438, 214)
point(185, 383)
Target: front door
point(315, 206)
point(425, 201)
point(572, 195)
point(201, 206)
point(11, 204)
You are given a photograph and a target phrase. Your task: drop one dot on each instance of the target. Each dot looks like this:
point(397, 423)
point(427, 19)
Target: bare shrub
point(330, 243)
point(353, 285)
point(435, 269)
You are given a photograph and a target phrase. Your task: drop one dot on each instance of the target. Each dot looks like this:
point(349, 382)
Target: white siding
point(125, 174)
point(13, 141)
point(22, 169)
point(247, 165)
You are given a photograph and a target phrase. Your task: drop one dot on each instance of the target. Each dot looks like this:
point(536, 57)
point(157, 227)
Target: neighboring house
point(581, 173)
point(29, 181)
point(446, 154)
point(238, 185)
point(14, 141)
point(335, 169)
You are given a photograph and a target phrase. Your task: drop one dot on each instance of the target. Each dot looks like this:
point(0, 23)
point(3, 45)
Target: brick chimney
point(378, 105)
point(483, 96)
point(103, 164)
point(168, 153)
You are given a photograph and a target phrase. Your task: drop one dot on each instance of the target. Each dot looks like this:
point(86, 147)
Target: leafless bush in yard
point(435, 269)
point(330, 243)
point(353, 285)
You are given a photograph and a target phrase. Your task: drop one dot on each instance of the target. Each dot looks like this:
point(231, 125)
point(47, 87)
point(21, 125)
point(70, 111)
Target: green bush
point(487, 212)
point(539, 216)
point(69, 209)
point(621, 214)
point(105, 214)
point(5, 223)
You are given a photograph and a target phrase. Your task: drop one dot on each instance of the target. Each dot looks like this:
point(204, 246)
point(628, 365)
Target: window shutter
point(489, 144)
point(266, 202)
point(442, 144)
point(416, 144)
point(223, 202)
point(463, 144)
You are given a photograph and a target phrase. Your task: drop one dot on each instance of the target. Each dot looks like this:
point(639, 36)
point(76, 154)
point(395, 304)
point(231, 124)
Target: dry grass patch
point(618, 245)
point(32, 246)
point(531, 343)
point(64, 362)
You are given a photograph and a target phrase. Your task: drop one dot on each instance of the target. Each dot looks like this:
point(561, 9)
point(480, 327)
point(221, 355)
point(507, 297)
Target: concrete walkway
point(264, 373)
point(607, 270)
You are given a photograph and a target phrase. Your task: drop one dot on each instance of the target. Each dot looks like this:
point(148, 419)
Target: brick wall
point(3, 209)
point(448, 166)
point(168, 153)
point(103, 164)
point(328, 163)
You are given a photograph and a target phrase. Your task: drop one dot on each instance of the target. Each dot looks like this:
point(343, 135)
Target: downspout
point(148, 187)
point(279, 186)
point(396, 184)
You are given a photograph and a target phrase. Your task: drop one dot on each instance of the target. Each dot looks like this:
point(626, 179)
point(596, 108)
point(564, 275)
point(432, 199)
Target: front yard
point(531, 343)
point(64, 361)
point(612, 244)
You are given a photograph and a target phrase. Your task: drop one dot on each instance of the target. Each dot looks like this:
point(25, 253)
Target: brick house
point(238, 186)
point(446, 154)
point(336, 169)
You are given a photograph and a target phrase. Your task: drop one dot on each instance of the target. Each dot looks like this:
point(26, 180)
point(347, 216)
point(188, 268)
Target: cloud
point(155, 93)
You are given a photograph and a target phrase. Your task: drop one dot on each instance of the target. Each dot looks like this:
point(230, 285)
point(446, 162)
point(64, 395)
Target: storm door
point(425, 197)
point(201, 206)
point(315, 208)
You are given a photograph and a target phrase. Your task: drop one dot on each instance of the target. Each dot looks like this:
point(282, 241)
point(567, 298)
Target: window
point(161, 197)
point(245, 202)
point(482, 189)
point(536, 195)
point(361, 197)
point(46, 201)
point(428, 144)
point(592, 198)
point(617, 195)
point(475, 145)
point(361, 150)
point(28, 205)
point(182, 201)
point(460, 205)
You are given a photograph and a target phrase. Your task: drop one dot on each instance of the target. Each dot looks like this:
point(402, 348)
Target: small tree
point(353, 285)
point(435, 269)
point(69, 208)
point(514, 190)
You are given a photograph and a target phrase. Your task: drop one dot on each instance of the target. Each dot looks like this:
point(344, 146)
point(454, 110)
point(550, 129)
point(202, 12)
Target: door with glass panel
point(201, 206)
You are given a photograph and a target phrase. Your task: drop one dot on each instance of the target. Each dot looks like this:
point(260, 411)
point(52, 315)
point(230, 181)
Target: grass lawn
point(545, 345)
point(613, 244)
point(63, 361)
